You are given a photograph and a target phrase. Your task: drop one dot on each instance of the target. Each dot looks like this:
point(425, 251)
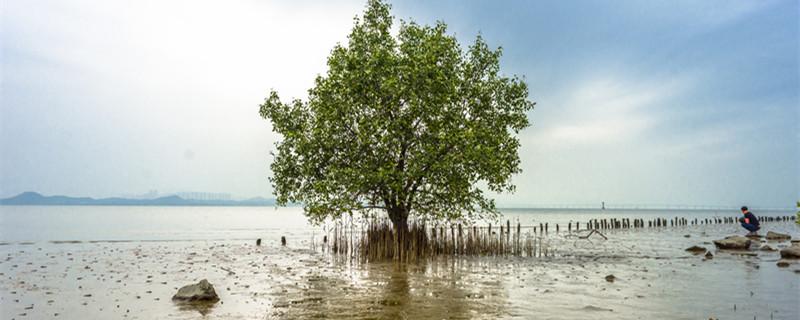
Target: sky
point(638, 102)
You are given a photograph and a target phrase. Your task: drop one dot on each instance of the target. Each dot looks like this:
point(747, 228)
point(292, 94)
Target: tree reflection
point(437, 289)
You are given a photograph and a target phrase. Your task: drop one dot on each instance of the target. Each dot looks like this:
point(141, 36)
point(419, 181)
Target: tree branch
point(373, 207)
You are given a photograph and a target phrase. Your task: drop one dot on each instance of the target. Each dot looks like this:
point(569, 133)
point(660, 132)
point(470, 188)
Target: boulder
point(696, 249)
point(782, 263)
point(792, 252)
point(733, 242)
point(777, 236)
point(201, 291)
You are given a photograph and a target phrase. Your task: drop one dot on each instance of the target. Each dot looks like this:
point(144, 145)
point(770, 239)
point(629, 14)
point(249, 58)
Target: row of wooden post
point(627, 223)
point(380, 240)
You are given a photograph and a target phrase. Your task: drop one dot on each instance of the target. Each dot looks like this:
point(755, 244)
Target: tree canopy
point(410, 124)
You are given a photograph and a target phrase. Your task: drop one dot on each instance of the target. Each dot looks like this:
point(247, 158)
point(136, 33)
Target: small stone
point(610, 278)
point(782, 263)
point(696, 249)
point(709, 255)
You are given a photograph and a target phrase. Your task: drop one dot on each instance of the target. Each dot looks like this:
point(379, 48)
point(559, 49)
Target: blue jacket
point(751, 218)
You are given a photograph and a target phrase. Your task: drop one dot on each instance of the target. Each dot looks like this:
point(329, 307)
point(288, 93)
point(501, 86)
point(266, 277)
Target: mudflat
point(653, 277)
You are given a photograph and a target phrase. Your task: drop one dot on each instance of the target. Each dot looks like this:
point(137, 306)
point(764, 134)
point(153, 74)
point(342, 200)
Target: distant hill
point(33, 198)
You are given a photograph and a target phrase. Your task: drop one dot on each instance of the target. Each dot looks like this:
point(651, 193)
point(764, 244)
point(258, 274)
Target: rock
point(258, 241)
point(782, 263)
point(201, 291)
point(687, 236)
point(733, 242)
point(777, 236)
point(767, 248)
point(709, 255)
point(744, 253)
point(610, 278)
point(696, 249)
point(792, 252)
point(283, 241)
point(593, 308)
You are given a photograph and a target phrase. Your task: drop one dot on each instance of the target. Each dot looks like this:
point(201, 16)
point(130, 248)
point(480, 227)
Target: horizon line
point(562, 206)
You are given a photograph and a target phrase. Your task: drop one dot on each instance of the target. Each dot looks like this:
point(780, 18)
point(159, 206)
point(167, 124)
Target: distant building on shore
point(206, 196)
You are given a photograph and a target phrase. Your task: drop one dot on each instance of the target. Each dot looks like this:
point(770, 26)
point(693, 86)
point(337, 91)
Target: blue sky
point(640, 102)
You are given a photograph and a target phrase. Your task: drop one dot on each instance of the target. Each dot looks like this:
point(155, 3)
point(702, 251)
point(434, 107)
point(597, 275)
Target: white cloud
point(605, 111)
point(133, 85)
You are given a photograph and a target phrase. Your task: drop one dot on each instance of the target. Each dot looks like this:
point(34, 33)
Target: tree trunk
point(399, 217)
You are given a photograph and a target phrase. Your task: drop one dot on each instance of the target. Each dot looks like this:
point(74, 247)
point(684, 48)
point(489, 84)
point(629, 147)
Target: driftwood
point(230, 272)
point(593, 232)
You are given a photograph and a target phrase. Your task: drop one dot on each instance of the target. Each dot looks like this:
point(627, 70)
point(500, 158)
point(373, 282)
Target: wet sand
point(654, 279)
point(54, 263)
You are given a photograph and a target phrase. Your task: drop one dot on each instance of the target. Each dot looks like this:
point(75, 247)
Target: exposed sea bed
point(654, 278)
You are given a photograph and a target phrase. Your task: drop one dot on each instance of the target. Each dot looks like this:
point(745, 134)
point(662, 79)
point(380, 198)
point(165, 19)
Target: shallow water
point(127, 262)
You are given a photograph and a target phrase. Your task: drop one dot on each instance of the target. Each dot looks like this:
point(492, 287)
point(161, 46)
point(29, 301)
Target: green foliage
point(410, 124)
